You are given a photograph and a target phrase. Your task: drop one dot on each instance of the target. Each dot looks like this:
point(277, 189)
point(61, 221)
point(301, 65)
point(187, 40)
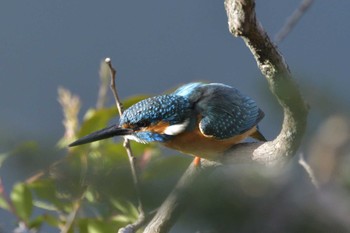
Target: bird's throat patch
point(159, 128)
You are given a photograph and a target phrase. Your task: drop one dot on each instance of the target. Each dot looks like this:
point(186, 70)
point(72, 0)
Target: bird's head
point(154, 119)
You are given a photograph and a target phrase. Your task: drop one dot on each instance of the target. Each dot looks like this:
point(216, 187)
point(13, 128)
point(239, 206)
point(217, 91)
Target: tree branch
point(243, 23)
point(293, 20)
point(178, 199)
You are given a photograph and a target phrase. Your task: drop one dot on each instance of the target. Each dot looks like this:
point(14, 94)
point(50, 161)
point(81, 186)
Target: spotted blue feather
point(225, 112)
point(168, 108)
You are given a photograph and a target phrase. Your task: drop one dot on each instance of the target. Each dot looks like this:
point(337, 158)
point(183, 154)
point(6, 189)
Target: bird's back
point(223, 116)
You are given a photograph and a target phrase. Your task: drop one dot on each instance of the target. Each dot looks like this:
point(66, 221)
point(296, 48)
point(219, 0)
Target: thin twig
point(127, 146)
point(293, 20)
point(104, 79)
point(72, 216)
point(309, 171)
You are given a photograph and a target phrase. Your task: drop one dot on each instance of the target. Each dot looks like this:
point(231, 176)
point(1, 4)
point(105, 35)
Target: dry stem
point(127, 146)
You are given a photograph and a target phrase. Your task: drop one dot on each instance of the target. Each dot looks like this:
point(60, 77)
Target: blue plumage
point(223, 110)
point(148, 113)
point(169, 108)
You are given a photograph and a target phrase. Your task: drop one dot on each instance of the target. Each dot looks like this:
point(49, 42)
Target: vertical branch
point(104, 79)
point(127, 146)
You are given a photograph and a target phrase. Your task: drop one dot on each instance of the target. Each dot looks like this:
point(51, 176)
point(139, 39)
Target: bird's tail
point(258, 136)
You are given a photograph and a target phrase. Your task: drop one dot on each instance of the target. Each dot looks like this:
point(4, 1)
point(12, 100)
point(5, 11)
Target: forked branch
point(243, 23)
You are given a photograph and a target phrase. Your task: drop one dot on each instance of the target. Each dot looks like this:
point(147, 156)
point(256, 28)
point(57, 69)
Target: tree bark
point(242, 23)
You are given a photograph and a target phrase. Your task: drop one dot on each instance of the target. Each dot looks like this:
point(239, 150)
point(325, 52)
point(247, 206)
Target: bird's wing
point(225, 112)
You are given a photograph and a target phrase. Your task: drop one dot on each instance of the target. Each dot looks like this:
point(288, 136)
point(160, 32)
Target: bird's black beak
point(102, 134)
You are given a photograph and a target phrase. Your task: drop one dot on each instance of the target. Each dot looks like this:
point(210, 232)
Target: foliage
point(90, 188)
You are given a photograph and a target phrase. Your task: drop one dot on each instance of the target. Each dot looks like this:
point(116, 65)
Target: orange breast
point(196, 144)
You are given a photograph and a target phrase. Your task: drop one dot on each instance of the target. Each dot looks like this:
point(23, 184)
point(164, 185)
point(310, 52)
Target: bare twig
point(104, 78)
point(293, 20)
point(127, 146)
point(309, 171)
point(72, 216)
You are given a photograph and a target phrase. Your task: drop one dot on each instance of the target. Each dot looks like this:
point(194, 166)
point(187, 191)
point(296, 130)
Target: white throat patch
point(176, 129)
point(136, 139)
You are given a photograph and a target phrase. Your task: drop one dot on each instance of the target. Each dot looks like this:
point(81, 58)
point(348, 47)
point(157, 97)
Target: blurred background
point(156, 46)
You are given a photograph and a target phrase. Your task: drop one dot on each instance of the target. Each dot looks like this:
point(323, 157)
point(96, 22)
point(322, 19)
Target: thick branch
point(178, 199)
point(242, 22)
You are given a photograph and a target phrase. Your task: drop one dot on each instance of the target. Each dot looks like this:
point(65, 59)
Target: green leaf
point(51, 196)
point(45, 191)
point(37, 222)
point(45, 205)
point(128, 211)
point(3, 157)
point(27, 148)
point(96, 119)
point(3, 203)
point(22, 200)
point(98, 226)
point(51, 220)
point(90, 196)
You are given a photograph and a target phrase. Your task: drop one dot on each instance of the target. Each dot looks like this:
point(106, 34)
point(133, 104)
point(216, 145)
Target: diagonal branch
point(179, 198)
point(293, 20)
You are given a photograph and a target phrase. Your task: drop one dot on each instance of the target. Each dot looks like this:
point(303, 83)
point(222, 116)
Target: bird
point(199, 119)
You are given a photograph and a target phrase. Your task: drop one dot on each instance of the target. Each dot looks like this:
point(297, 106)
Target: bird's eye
point(143, 123)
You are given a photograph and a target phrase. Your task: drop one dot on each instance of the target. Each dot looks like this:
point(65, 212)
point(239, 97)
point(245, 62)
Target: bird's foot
point(197, 161)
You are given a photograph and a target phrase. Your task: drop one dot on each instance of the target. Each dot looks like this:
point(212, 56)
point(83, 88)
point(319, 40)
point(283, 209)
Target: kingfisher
point(203, 120)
